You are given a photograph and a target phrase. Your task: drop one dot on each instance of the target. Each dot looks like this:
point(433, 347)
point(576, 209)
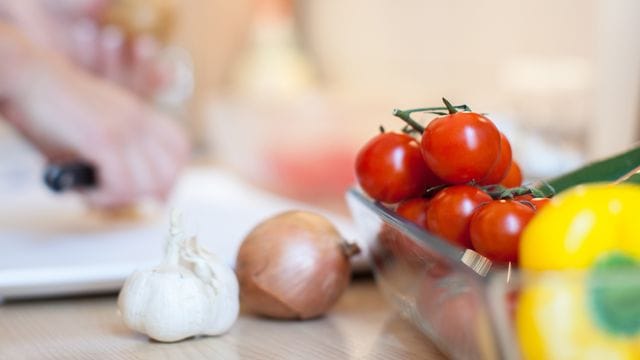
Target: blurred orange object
point(138, 17)
point(313, 172)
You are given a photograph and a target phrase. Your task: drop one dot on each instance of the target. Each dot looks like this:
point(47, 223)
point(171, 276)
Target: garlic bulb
point(191, 293)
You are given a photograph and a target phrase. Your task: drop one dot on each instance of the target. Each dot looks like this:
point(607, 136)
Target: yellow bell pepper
point(580, 225)
point(553, 322)
point(588, 310)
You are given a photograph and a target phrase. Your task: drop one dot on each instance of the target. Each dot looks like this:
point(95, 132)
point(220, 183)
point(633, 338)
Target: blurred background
point(285, 92)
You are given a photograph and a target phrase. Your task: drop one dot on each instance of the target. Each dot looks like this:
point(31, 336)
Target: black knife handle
point(61, 177)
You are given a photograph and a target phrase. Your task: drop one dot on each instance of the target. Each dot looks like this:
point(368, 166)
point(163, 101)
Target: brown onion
point(294, 265)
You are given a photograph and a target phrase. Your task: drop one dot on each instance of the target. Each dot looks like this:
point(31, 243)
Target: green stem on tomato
point(409, 130)
point(432, 191)
point(407, 118)
point(438, 109)
point(450, 108)
point(499, 192)
point(543, 189)
point(405, 115)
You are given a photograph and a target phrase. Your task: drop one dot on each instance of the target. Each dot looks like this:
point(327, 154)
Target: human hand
point(71, 115)
point(74, 28)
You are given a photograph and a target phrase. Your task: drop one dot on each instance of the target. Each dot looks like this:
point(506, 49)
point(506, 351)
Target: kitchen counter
point(361, 326)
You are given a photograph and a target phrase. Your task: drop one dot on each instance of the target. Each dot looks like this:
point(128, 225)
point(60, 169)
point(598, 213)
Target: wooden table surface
point(360, 326)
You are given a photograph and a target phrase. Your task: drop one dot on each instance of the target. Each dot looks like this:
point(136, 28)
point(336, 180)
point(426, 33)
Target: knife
point(67, 176)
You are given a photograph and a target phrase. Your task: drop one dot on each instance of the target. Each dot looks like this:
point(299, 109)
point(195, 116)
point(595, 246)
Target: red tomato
point(528, 199)
point(461, 147)
point(390, 168)
point(502, 165)
point(539, 203)
point(496, 227)
point(415, 210)
point(514, 176)
point(406, 250)
point(450, 212)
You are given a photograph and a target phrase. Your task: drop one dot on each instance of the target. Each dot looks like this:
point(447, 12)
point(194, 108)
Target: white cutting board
point(51, 245)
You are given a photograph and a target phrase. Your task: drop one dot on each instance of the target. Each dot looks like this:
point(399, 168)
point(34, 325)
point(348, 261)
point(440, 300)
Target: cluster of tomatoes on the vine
point(443, 178)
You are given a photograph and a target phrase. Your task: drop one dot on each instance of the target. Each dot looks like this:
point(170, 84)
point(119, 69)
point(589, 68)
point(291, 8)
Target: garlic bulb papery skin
point(191, 293)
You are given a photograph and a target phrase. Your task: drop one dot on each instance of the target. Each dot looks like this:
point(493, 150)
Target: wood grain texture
point(361, 326)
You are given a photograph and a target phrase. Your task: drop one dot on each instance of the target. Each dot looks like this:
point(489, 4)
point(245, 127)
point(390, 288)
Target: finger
point(84, 44)
point(144, 65)
point(111, 52)
point(173, 149)
point(173, 75)
point(114, 178)
point(172, 137)
point(161, 76)
point(142, 170)
point(164, 167)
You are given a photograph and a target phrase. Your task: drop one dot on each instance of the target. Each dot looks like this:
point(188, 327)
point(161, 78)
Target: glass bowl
point(472, 308)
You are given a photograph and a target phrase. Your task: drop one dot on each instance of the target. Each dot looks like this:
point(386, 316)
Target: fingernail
point(145, 47)
point(112, 52)
point(84, 34)
point(112, 37)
